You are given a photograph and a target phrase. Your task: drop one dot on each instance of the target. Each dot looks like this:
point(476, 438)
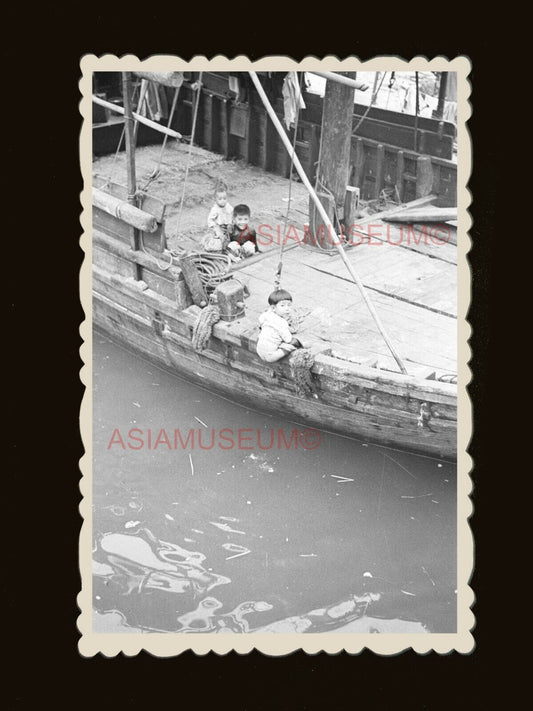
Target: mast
point(129, 130)
point(130, 161)
point(335, 145)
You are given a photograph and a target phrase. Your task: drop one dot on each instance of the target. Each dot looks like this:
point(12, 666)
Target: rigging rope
point(155, 172)
point(277, 277)
point(199, 90)
point(123, 133)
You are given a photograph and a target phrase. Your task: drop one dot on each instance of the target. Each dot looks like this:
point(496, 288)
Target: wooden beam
point(172, 79)
point(399, 174)
point(342, 79)
point(125, 211)
point(137, 117)
point(424, 176)
point(380, 162)
point(351, 205)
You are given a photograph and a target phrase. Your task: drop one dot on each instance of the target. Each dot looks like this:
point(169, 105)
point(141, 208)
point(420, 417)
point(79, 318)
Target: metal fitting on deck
point(230, 300)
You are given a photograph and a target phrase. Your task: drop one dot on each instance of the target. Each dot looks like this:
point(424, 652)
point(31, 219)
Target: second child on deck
point(242, 237)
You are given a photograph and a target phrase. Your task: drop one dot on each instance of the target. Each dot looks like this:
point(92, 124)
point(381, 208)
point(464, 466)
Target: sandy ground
point(265, 193)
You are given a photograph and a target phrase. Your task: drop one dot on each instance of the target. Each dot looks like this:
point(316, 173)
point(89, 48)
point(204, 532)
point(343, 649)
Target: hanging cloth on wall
point(292, 98)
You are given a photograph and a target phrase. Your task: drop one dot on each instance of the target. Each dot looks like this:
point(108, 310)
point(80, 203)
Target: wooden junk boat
point(150, 299)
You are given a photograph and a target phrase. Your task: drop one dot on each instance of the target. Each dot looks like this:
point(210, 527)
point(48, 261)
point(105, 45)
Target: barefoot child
point(275, 339)
point(219, 221)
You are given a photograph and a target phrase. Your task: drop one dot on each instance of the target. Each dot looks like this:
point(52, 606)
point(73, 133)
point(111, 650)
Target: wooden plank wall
point(383, 155)
point(244, 132)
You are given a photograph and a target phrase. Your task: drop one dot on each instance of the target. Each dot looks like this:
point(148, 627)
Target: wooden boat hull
point(353, 400)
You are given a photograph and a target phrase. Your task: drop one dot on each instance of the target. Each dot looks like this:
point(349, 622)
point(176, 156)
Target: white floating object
point(131, 524)
point(367, 575)
point(170, 518)
point(136, 404)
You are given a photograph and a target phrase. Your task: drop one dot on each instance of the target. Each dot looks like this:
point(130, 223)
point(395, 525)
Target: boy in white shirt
point(276, 339)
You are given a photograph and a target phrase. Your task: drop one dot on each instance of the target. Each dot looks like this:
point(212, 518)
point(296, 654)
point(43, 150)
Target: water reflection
point(347, 537)
point(140, 564)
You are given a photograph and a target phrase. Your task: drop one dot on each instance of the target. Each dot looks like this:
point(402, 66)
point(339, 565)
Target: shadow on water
point(345, 536)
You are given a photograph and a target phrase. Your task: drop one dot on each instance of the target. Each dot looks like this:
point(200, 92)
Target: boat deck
point(413, 293)
point(410, 276)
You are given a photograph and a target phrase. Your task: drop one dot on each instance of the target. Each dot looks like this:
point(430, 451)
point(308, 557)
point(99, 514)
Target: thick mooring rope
point(301, 361)
point(204, 327)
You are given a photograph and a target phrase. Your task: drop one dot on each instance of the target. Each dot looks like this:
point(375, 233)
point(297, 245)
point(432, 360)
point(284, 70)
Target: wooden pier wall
point(387, 152)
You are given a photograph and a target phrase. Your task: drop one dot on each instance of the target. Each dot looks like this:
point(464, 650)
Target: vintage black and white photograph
point(275, 355)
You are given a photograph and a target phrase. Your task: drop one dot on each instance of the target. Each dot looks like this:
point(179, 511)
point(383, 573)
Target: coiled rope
point(213, 268)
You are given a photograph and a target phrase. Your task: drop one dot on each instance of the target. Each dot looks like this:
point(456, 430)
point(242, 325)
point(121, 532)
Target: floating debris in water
point(196, 530)
point(408, 593)
point(229, 518)
point(192, 465)
point(226, 527)
point(199, 420)
point(439, 465)
point(308, 555)
point(136, 404)
point(341, 479)
point(117, 510)
point(237, 555)
point(248, 502)
point(367, 575)
point(131, 524)
point(234, 548)
point(170, 518)
point(135, 505)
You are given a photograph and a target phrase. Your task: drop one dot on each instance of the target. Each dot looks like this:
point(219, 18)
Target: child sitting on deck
point(219, 221)
point(276, 339)
point(242, 237)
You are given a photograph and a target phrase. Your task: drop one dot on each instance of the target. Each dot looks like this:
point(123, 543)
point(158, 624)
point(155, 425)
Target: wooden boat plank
point(412, 325)
point(198, 367)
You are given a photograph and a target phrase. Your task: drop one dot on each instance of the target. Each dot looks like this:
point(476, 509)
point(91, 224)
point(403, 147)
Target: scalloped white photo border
point(275, 644)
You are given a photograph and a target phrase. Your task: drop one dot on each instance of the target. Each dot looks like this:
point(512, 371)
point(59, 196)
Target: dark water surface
point(231, 540)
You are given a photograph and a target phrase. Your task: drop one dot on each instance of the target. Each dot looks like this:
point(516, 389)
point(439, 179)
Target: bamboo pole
point(324, 216)
point(343, 80)
point(142, 119)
